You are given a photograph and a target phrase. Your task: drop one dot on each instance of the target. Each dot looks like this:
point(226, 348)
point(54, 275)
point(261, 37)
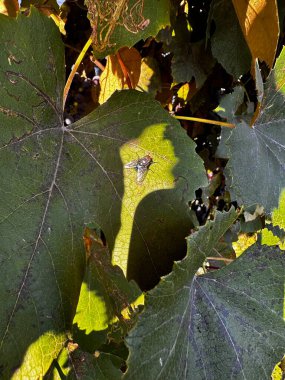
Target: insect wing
point(131, 164)
point(141, 174)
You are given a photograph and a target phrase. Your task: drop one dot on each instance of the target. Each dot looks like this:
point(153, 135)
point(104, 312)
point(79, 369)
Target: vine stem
point(74, 69)
point(215, 122)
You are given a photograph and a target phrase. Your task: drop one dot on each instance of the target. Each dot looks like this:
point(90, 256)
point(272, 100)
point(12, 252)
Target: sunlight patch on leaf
point(243, 243)
point(49, 344)
point(150, 77)
point(275, 235)
point(133, 125)
point(105, 296)
point(159, 176)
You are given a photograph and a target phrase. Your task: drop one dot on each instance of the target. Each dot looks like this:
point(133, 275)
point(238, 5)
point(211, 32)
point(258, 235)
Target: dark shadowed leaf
point(56, 179)
point(48, 4)
point(75, 363)
point(42, 262)
point(227, 42)
point(227, 109)
point(281, 12)
point(257, 155)
point(190, 59)
point(100, 366)
point(212, 326)
point(230, 103)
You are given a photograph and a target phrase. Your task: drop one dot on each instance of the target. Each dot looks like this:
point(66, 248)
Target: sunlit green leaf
point(105, 292)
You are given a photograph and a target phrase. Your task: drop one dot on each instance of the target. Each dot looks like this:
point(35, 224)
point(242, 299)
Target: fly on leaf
point(141, 165)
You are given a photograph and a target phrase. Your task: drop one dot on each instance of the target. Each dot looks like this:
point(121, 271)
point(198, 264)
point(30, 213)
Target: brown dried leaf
point(113, 77)
point(9, 7)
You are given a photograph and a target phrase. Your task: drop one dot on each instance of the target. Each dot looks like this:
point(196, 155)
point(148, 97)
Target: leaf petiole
point(74, 69)
point(215, 122)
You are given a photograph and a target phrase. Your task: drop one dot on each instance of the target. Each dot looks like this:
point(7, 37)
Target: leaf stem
point(215, 122)
point(74, 69)
point(97, 63)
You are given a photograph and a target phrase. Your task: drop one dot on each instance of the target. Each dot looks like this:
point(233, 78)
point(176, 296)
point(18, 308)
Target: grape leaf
point(256, 154)
point(212, 326)
point(55, 179)
point(124, 22)
point(129, 126)
point(260, 26)
point(274, 232)
point(9, 7)
point(75, 363)
point(40, 286)
point(113, 77)
point(105, 292)
point(191, 59)
point(150, 77)
point(59, 368)
point(85, 366)
point(49, 4)
point(230, 103)
point(227, 42)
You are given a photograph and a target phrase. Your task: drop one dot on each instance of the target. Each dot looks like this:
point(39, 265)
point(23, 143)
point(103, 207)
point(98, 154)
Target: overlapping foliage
point(83, 240)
